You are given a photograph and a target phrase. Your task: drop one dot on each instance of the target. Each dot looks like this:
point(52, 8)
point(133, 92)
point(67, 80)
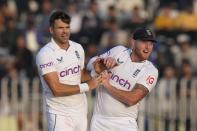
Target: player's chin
point(64, 40)
point(145, 56)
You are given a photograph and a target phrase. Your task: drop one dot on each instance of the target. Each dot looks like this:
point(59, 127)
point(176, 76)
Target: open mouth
point(145, 51)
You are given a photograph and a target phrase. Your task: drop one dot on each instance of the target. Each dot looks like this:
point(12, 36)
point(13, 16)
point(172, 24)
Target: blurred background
point(98, 26)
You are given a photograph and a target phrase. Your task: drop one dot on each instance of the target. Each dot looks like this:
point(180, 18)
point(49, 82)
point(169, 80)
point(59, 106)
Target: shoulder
point(45, 51)
point(119, 49)
point(151, 68)
point(75, 45)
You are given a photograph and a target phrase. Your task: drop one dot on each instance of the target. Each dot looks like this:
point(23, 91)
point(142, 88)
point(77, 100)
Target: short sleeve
point(90, 66)
point(45, 63)
point(113, 52)
point(148, 78)
point(82, 57)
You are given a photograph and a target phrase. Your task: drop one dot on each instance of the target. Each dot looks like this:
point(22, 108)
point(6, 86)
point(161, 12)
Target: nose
point(149, 44)
point(64, 30)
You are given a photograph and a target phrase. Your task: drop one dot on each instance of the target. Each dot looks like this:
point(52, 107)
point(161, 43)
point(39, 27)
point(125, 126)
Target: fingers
point(105, 75)
point(99, 65)
point(99, 78)
point(96, 61)
point(110, 62)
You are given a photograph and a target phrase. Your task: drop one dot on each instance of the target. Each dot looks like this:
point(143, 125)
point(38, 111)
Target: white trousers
point(58, 122)
point(102, 123)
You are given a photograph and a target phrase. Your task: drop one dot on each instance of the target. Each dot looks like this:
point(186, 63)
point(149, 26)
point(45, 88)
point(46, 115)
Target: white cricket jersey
point(68, 65)
point(124, 77)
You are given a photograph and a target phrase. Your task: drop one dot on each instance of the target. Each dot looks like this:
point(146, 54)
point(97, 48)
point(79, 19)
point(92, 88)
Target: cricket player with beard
point(123, 86)
point(61, 69)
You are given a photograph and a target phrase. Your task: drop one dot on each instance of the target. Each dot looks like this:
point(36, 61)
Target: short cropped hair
point(59, 14)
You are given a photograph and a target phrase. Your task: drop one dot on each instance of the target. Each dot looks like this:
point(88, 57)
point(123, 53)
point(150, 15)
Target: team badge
point(136, 73)
point(150, 80)
point(60, 59)
point(148, 32)
point(77, 54)
point(119, 61)
point(108, 52)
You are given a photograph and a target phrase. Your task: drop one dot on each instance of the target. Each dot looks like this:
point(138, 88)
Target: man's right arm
point(60, 89)
point(47, 70)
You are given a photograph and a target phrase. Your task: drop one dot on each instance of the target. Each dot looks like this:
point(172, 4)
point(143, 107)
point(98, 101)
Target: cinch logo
point(122, 82)
point(70, 71)
point(46, 65)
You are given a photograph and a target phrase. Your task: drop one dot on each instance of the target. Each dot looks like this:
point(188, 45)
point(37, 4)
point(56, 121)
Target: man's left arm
point(139, 91)
point(129, 98)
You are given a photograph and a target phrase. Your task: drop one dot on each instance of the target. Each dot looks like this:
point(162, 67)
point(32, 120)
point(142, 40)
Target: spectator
point(91, 25)
point(24, 57)
point(9, 35)
point(76, 21)
point(166, 93)
point(185, 51)
point(114, 35)
point(137, 19)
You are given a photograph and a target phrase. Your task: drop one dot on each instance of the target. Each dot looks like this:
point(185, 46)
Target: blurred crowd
point(98, 26)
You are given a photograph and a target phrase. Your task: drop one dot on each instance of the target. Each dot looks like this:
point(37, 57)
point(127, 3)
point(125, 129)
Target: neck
point(64, 46)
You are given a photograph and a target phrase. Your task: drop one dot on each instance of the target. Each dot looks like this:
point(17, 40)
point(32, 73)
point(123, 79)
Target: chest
point(68, 61)
point(126, 75)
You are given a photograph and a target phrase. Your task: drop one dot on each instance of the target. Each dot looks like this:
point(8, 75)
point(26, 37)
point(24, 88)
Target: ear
point(51, 30)
point(132, 42)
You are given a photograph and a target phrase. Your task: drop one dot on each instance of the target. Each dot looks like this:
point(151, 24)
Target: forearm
point(60, 89)
point(65, 90)
point(122, 96)
point(128, 97)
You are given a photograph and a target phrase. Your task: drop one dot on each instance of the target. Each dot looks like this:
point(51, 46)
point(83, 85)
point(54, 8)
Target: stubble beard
point(139, 55)
point(60, 40)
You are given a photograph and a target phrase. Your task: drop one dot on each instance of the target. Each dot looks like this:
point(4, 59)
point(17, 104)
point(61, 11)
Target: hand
point(105, 78)
point(110, 62)
point(99, 65)
point(94, 82)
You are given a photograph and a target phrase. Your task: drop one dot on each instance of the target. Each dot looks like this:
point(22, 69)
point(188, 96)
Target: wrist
point(84, 87)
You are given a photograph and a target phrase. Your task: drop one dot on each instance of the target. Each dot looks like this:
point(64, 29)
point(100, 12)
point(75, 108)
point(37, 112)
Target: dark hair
point(58, 14)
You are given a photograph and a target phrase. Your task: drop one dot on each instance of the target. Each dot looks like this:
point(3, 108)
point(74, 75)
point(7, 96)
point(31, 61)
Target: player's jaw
point(141, 55)
point(145, 53)
point(146, 49)
point(62, 37)
point(143, 50)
